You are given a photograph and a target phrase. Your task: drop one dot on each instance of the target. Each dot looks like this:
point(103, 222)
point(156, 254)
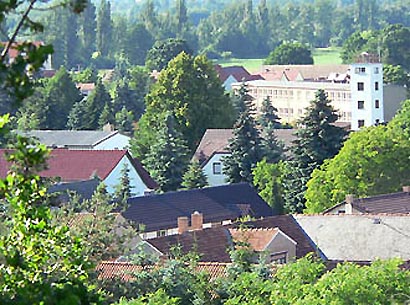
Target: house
point(80, 139)
point(78, 165)
point(160, 214)
point(279, 238)
point(213, 147)
point(394, 203)
point(13, 53)
point(86, 88)
point(358, 237)
point(361, 100)
point(234, 74)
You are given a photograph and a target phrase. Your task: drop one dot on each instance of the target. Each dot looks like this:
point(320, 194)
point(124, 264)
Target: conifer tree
point(124, 120)
point(245, 146)
point(95, 104)
point(104, 28)
point(194, 177)
point(123, 189)
point(167, 159)
point(269, 115)
point(318, 139)
point(106, 116)
point(76, 117)
point(272, 148)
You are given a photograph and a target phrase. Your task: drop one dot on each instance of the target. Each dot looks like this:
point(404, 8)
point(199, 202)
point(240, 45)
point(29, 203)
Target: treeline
point(242, 29)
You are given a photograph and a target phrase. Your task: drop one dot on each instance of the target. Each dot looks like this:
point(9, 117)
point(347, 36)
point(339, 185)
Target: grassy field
point(321, 56)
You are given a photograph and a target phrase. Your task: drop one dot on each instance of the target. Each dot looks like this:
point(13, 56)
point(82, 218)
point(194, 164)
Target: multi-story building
point(359, 98)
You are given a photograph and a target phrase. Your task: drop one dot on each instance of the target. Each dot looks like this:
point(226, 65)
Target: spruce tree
point(272, 148)
point(95, 104)
point(194, 177)
point(123, 189)
point(124, 120)
point(106, 116)
point(245, 147)
point(318, 139)
point(167, 159)
point(269, 115)
point(76, 117)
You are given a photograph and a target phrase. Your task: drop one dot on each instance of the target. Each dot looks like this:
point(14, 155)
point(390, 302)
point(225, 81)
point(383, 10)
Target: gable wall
point(117, 141)
point(137, 185)
point(214, 179)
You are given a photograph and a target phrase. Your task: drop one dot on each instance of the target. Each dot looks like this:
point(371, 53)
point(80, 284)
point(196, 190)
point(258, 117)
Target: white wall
point(373, 72)
point(117, 141)
point(214, 179)
point(137, 185)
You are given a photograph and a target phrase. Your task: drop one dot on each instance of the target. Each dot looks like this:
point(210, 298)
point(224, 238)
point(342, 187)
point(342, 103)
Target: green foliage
point(372, 161)
point(104, 29)
point(41, 263)
point(395, 75)
point(94, 106)
point(268, 180)
point(88, 75)
point(124, 120)
point(162, 52)
point(245, 146)
point(123, 189)
point(168, 159)
point(155, 298)
point(316, 141)
point(96, 224)
point(290, 54)
point(194, 177)
point(190, 90)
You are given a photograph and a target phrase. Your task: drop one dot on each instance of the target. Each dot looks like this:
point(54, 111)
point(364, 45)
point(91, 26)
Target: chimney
point(197, 220)
point(182, 224)
point(406, 189)
point(349, 201)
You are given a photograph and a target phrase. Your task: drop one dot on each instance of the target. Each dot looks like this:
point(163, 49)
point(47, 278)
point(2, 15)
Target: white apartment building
point(360, 102)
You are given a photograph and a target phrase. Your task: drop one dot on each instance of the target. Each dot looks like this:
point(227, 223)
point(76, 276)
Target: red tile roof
point(76, 165)
point(13, 52)
point(258, 239)
point(125, 270)
point(238, 72)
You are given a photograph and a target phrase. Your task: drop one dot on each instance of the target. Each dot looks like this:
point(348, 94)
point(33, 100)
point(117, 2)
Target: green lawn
point(326, 56)
point(321, 56)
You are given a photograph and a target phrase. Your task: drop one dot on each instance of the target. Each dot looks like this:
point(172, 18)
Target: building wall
point(281, 243)
point(370, 96)
point(393, 96)
point(213, 178)
point(117, 141)
point(291, 98)
point(138, 187)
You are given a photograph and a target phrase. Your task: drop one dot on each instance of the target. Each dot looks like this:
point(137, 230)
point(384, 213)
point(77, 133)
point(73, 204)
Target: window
point(360, 86)
point(360, 105)
point(360, 70)
point(376, 86)
point(376, 70)
point(377, 122)
point(162, 233)
point(279, 257)
point(377, 104)
point(217, 168)
point(360, 123)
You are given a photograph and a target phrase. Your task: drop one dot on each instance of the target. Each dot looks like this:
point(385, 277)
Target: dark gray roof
point(213, 244)
point(67, 138)
point(158, 212)
point(85, 189)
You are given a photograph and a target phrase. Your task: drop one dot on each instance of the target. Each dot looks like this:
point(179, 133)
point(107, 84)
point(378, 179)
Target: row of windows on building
point(298, 94)
point(361, 105)
point(362, 70)
point(360, 86)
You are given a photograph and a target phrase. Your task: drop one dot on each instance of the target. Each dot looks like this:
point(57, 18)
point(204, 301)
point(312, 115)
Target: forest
point(107, 31)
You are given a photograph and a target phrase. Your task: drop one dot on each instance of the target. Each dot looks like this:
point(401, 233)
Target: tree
point(139, 41)
point(41, 261)
point(318, 139)
point(269, 114)
point(191, 92)
point(87, 32)
point(268, 179)
point(372, 161)
point(124, 120)
point(290, 54)
point(395, 75)
point(163, 51)
point(104, 28)
point(272, 148)
point(94, 105)
point(104, 235)
point(194, 177)
point(123, 189)
point(60, 95)
point(77, 117)
point(245, 146)
point(106, 116)
point(395, 41)
point(168, 158)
